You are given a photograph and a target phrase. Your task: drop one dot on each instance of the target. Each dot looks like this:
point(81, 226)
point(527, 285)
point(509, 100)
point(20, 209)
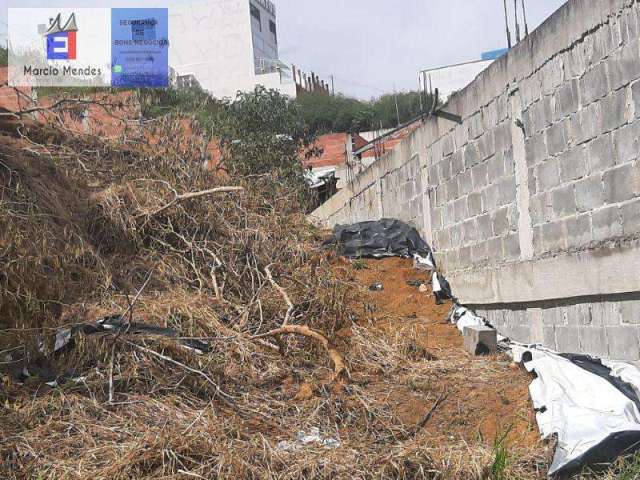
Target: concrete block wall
point(532, 204)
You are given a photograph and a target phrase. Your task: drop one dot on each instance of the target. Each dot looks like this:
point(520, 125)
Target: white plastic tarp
point(316, 179)
point(424, 263)
point(584, 410)
point(463, 317)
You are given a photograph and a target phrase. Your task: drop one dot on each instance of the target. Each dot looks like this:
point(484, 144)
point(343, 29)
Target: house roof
point(390, 142)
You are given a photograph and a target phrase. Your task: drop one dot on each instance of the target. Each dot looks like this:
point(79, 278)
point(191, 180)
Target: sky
point(371, 47)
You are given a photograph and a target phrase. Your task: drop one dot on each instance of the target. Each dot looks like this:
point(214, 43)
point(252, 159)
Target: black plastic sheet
point(380, 238)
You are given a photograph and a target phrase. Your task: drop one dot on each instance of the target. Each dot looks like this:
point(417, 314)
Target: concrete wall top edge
point(551, 37)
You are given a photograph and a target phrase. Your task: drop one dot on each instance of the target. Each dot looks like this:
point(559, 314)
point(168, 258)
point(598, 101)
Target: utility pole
point(420, 92)
point(395, 96)
point(515, 13)
point(524, 14)
point(333, 87)
point(506, 21)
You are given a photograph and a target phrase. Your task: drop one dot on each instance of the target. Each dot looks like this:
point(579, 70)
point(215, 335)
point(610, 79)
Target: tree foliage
point(192, 101)
point(324, 113)
point(4, 57)
point(261, 133)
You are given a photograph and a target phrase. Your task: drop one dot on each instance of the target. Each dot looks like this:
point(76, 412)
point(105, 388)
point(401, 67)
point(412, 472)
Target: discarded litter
point(65, 336)
point(376, 287)
point(382, 238)
point(419, 284)
point(462, 317)
point(303, 439)
point(424, 263)
point(591, 405)
point(441, 288)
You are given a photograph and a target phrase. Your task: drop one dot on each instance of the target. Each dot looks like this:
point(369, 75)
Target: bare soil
point(487, 397)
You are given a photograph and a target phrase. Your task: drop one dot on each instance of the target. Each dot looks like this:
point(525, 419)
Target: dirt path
point(486, 397)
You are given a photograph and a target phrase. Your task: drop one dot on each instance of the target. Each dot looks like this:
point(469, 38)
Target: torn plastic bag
point(304, 439)
point(65, 336)
point(441, 288)
point(591, 408)
point(382, 238)
point(462, 317)
point(424, 263)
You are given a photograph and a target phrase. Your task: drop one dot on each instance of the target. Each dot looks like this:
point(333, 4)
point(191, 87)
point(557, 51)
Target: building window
point(255, 13)
point(272, 28)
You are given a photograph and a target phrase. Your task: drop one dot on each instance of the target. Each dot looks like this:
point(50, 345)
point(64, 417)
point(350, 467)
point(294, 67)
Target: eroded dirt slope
point(486, 397)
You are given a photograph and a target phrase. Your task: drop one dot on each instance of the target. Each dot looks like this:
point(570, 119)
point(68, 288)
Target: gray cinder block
point(480, 340)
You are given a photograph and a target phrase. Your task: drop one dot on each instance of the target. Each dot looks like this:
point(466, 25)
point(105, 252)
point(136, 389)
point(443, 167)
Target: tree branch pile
point(97, 230)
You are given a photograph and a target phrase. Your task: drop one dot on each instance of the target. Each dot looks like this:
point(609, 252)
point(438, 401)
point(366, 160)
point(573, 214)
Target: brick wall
point(533, 202)
point(12, 98)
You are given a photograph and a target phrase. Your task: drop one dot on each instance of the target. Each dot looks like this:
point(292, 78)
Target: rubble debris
point(381, 238)
point(321, 178)
point(311, 438)
point(419, 284)
point(480, 340)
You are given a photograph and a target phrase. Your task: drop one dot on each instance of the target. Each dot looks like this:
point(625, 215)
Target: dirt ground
point(486, 397)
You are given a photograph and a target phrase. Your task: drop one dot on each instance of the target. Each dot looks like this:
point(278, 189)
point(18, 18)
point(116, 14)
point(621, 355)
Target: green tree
point(325, 113)
point(408, 108)
point(4, 57)
point(193, 100)
point(263, 133)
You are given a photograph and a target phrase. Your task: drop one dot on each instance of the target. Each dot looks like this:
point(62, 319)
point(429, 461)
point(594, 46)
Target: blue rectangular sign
point(140, 47)
point(494, 54)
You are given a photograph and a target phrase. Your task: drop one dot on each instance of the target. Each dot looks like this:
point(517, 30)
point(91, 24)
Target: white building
point(452, 78)
point(227, 46)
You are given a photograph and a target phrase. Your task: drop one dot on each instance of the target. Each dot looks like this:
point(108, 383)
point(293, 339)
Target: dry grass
point(79, 239)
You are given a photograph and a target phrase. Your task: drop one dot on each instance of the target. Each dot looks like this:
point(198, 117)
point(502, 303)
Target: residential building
point(336, 157)
point(451, 78)
point(228, 46)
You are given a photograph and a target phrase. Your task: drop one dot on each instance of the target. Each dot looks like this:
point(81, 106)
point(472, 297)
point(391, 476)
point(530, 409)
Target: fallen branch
point(225, 396)
point(427, 417)
point(126, 329)
point(61, 103)
point(284, 294)
point(187, 196)
point(335, 356)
